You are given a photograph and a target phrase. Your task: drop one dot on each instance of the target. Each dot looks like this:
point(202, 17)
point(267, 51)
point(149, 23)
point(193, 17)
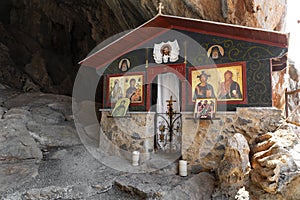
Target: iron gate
point(168, 130)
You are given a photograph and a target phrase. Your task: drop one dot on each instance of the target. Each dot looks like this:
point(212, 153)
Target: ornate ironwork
point(168, 129)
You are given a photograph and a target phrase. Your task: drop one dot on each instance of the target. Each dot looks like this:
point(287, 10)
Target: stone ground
point(42, 157)
point(63, 173)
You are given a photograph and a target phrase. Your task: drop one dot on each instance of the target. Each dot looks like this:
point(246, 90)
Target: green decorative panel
point(259, 83)
point(234, 50)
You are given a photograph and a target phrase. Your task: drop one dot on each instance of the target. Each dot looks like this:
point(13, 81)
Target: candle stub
point(182, 168)
point(135, 158)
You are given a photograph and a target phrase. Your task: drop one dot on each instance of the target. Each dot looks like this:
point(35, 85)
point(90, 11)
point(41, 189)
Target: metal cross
point(170, 102)
point(170, 111)
point(160, 7)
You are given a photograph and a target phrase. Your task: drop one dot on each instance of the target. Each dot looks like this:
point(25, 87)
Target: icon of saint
point(203, 89)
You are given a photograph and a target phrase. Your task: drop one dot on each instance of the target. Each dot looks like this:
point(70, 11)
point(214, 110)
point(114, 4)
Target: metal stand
point(169, 126)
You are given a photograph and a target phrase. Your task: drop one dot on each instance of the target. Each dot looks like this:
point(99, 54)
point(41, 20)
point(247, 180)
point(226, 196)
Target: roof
point(139, 36)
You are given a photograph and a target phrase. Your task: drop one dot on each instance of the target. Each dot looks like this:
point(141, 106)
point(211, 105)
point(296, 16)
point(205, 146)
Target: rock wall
point(276, 161)
point(30, 125)
point(253, 13)
point(226, 146)
point(133, 133)
point(293, 83)
point(282, 81)
point(204, 142)
point(250, 151)
point(46, 39)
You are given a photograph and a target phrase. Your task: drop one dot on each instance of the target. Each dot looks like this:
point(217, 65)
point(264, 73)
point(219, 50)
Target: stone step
point(158, 186)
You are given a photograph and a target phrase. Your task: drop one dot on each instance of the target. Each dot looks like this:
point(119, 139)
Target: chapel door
point(168, 125)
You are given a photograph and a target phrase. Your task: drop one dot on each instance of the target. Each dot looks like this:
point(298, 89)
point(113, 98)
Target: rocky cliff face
point(42, 41)
point(41, 155)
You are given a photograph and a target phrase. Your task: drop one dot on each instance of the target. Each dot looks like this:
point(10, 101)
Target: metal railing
point(287, 93)
point(168, 129)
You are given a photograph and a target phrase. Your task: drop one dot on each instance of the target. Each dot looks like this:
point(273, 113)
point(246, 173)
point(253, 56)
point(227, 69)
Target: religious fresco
point(124, 64)
point(121, 107)
point(128, 86)
point(215, 51)
point(223, 82)
point(165, 52)
point(205, 108)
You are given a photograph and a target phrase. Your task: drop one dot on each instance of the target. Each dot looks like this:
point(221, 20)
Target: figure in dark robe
point(229, 89)
point(132, 90)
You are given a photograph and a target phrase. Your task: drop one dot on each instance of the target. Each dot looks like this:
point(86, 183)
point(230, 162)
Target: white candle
point(182, 168)
point(135, 158)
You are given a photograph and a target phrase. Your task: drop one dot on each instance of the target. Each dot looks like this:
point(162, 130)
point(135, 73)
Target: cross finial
point(170, 111)
point(160, 7)
point(170, 102)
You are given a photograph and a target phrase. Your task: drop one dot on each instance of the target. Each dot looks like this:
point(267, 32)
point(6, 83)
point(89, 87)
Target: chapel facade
point(203, 70)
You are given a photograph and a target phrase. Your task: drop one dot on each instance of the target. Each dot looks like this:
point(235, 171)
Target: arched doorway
point(168, 123)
